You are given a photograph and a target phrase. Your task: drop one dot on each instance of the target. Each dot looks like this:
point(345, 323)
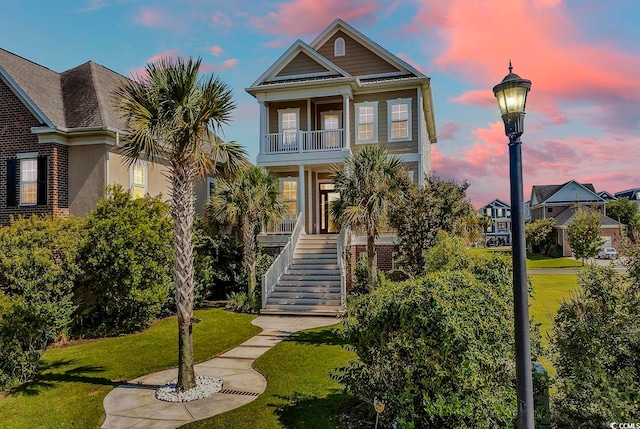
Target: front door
point(327, 195)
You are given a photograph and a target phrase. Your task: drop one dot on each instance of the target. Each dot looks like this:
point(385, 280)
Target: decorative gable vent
point(338, 47)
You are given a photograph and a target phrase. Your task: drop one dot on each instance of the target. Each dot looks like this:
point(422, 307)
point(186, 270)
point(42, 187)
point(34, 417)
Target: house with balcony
point(499, 233)
point(319, 103)
point(560, 202)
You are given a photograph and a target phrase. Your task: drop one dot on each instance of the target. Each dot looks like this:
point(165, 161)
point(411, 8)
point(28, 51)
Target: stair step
point(315, 255)
point(304, 293)
point(317, 249)
point(304, 307)
point(314, 266)
point(312, 312)
point(319, 259)
point(312, 272)
point(303, 277)
point(304, 283)
point(304, 301)
point(311, 289)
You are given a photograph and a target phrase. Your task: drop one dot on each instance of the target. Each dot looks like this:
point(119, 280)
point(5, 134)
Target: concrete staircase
point(311, 286)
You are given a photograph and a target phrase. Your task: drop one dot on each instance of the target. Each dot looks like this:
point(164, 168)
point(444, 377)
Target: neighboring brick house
point(561, 202)
point(319, 103)
point(499, 232)
point(59, 141)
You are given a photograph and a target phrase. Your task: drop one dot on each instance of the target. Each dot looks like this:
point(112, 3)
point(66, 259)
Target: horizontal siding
point(383, 132)
point(273, 113)
point(300, 65)
point(358, 60)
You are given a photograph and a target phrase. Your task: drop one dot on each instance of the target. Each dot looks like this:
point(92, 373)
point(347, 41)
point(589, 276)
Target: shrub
point(539, 234)
point(438, 351)
point(217, 264)
point(241, 302)
point(127, 259)
point(37, 273)
point(596, 351)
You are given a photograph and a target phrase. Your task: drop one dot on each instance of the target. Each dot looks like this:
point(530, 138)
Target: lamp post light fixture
point(512, 99)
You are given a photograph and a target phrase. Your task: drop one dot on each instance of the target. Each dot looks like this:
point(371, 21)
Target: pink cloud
point(215, 50)
point(221, 20)
point(140, 73)
point(226, 65)
point(229, 64)
point(93, 5)
point(286, 20)
point(447, 131)
point(485, 163)
point(546, 48)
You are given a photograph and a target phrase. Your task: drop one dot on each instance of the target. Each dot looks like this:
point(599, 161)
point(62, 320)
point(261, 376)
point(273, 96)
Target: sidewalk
point(134, 404)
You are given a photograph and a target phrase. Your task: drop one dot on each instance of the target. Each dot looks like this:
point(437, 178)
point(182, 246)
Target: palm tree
point(243, 205)
point(172, 116)
point(485, 223)
point(367, 184)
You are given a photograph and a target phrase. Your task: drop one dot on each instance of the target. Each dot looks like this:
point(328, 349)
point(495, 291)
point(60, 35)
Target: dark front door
point(327, 195)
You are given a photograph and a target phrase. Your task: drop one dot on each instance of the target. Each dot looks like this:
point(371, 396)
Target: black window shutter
point(12, 197)
point(42, 180)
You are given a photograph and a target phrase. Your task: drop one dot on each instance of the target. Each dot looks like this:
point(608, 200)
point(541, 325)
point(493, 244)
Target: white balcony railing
point(343, 241)
point(304, 141)
point(284, 227)
point(282, 261)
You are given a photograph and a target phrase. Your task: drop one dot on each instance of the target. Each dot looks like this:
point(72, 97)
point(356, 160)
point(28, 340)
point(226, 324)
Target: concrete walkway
point(134, 405)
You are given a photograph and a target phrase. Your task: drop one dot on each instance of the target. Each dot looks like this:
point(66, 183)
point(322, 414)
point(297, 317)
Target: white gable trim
point(290, 54)
point(339, 24)
point(28, 102)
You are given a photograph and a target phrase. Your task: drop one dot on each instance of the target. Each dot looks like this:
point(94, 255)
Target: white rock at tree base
point(205, 387)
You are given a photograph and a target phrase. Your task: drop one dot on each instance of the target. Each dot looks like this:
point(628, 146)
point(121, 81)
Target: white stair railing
point(282, 262)
point(345, 233)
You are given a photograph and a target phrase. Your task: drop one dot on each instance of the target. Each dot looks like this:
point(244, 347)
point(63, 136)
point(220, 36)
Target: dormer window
point(338, 47)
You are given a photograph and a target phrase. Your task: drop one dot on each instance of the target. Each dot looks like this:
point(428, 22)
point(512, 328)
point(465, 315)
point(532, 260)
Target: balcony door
point(327, 196)
point(331, 125)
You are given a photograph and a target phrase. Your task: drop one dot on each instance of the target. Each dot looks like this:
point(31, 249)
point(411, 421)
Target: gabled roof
point(632, 194)
point(606, 195)
point(564, 218)
point(77, 98)
point(340, 25)
point(541, 194)
point(298, 47)
point(496, 203)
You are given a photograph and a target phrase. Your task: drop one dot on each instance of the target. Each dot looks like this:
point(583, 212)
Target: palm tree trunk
point(371, 261)
point(183, 213)
point(249, 254)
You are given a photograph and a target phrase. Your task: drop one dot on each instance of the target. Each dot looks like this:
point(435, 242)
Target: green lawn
point(536, 262)
point(300, 393)
point(549, 290)
point(74, 380)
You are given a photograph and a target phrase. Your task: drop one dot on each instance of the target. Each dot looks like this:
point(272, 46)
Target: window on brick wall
point(27, 180)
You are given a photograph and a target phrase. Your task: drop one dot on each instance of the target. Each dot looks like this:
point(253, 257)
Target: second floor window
point(399, 119)
point(289, 125)
point(367, 122)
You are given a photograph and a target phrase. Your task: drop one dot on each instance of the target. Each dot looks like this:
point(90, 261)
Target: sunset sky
point(582, 56)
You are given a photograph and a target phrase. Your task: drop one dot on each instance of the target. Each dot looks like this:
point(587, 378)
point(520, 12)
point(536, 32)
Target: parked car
point(607, 253)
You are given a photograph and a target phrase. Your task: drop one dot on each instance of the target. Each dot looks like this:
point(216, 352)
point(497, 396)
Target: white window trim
point(339, 47)
point(390, 104)
point(280, 113)
point(29, 156)
point(331, 112)
point(142, 164)
point(357, 106)
point(290, 179)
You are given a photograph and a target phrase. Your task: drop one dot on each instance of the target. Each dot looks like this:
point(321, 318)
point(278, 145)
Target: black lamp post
point(512, 99)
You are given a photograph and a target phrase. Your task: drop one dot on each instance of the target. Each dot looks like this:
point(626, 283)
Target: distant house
point(60, 139)
point(499, 232)
point(632, 194)
point(607, 195)
point(560, 202)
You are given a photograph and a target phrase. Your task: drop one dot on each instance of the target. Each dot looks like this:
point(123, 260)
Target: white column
point(310, 202)
point(346, 121)
point(301, 190)
point(263, 128)
point(317, 205)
